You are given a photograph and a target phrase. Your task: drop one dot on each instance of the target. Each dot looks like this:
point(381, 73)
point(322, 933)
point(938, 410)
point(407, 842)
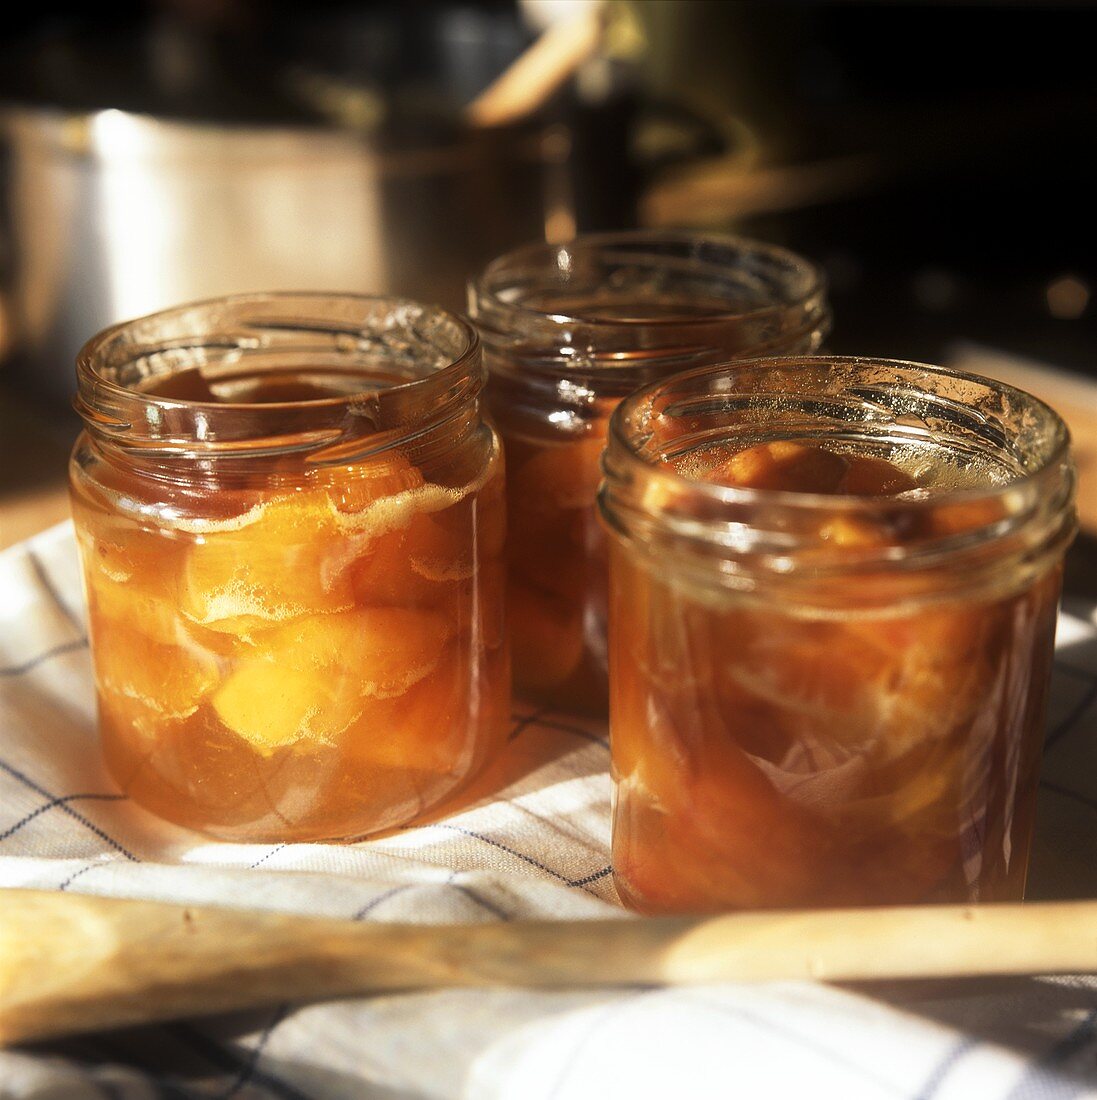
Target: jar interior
point(949, 432)
point(273, 349)
point(275, 371)
point(987, 498)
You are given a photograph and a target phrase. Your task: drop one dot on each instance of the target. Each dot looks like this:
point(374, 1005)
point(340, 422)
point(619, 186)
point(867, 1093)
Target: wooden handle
point(533, 77)
point(70, 963)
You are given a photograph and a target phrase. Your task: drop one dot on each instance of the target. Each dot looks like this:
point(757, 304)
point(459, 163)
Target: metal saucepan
point(166, 162)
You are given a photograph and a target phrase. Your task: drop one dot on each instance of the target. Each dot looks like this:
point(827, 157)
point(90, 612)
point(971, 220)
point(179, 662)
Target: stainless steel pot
point(108, 215)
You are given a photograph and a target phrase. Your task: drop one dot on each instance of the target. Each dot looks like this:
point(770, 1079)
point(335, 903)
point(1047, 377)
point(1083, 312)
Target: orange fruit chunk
point(271, 705)
point(788, 466)
point(131, 576)
point(559, 476)
point(424, 729)
point(381, 650)
point(293, 557)
point(744, 842)
point(956, 517)
point(406, 567)
point(783, 465)
point(124, 553)
point(170, 680)
point(282, 564)
point(313, 677)
point(547, 640)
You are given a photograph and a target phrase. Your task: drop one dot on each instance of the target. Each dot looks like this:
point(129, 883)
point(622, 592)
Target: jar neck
point(605, 314)
point(996, 529)
point(413, 373)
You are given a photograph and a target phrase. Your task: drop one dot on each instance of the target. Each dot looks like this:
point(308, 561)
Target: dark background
point(977, 124)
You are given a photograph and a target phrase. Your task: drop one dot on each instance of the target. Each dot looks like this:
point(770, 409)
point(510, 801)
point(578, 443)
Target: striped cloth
point(538, 847)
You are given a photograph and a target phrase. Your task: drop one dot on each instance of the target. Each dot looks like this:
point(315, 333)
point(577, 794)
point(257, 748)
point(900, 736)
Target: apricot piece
point(553, 523)
point(313, 677)
point(171, 680)
point(853, 532)
point(404, 754)
point(871, 686)
point(871, 476)
point(797, 467)
point(551, 555)
point(155, 616)
point(131, 576)
point(424, 729)
point(956, 517)
point(405, 568)
point(783, 465)
point(817, 672)
point(383, 575)
point(353, 487)
point(490, 513)
point(950, 633)
point(273, 705)
point(374, 651)
point(202, 774)
point(547, 640)
point(835, 686)
point(747, 843)
point(440, 545)
point(127, 554)
point(283, 564)
point(558, 476)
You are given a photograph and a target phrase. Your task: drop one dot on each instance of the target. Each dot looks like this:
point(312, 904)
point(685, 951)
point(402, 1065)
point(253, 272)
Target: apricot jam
point(568, 331)
point(833, 594)
point(290, 516)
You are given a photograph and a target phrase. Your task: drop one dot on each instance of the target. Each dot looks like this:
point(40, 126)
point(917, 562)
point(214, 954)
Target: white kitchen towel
point(538, 847)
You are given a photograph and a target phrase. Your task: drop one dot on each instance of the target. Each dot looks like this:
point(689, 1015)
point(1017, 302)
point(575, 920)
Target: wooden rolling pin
point(71, 964)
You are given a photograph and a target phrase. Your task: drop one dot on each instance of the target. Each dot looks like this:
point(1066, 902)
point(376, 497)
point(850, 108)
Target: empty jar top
point(362, 372)
point(994, 504)
point(628, 303)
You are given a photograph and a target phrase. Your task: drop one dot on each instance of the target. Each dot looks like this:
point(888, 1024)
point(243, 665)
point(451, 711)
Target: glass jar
point(568, 331)
point(833, 696)
point(291, 519)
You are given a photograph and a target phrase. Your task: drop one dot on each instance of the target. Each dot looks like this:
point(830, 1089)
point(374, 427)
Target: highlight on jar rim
point(290, 516)
point(833, 593)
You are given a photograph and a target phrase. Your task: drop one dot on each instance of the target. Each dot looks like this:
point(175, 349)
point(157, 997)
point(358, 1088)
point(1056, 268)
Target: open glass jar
point(568, 331)
point(291, 519)
point(834, 586)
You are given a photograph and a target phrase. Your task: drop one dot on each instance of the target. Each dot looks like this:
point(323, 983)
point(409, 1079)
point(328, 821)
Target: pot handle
point(671, 134)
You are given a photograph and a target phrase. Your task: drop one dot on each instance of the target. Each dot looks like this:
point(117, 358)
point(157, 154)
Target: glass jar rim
point(620, 440)
point(486, 304)
point(1023, 513)
point(230, 325)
